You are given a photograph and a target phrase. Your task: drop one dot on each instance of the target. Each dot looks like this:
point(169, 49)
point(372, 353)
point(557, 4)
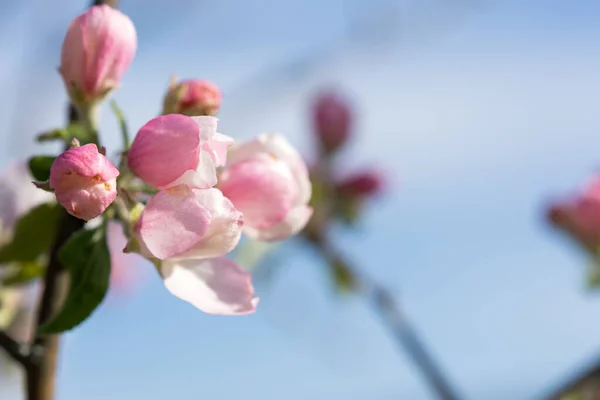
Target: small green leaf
point(87, 259)
point(76, 130)
point(24, 273)
point(55, 134)
point(33, 235)
point(40, 167)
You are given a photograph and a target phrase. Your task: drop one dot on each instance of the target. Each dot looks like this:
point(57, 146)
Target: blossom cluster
point(183, 192)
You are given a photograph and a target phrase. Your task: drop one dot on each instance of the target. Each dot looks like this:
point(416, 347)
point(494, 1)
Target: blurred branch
point(588, 377)
point(16, 350)
point(384, 304)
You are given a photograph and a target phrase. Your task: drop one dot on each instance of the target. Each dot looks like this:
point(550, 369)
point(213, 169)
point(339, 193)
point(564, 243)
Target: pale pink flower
point(267, 180)
point(97, 50)
point(84, 181)
point(192, 97)
point(188, 223)
point(214, 285)
point(332, 119)
point(580, 216)
point(176, 149)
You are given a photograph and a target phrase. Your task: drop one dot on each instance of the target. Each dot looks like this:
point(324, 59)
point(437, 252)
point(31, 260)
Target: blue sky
point(480, 120)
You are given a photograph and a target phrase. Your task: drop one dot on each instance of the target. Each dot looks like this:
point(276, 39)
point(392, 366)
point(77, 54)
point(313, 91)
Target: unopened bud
point(332, 121)
point(97, 49)
point(84, 181)
point(192, 98)
point(362, 184)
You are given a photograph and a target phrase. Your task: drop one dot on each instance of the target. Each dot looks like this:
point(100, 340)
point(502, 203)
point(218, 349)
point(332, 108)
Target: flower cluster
point(183, 193)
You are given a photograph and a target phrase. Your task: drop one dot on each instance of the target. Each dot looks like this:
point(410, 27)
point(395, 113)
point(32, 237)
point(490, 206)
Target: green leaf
point(33, 235)
point(24, 273)
point(40, 167)
point(87, 259)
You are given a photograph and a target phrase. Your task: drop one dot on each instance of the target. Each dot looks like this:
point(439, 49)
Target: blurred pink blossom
point(364, 183)
point(332, 119)
point(580, 216)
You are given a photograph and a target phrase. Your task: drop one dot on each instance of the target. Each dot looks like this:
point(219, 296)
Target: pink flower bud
point(176, 149)
point(267, 180)
point(188, 223)
point(361, 184)
point(192, 97)
point(332, 120)
point(84, 181)
point(580, 217)
point(97, 49)
point(214, 285)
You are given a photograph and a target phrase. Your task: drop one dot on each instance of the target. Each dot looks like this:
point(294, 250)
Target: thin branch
point(588, 379)
point(383, 302)
point(14, 349)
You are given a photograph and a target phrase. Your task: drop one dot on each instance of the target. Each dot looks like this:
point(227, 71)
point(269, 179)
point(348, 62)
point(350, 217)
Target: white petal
point(215, 286)
point(204, 177)
point(207, 125)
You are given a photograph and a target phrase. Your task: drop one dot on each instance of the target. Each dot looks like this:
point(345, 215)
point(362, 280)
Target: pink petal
point(295, 221)
point(225, 228)
point(262, 188)
point(218, 147)
point(203, 177)
point(164, 149)
point(172, 222)
point(215, 286)
point(276, 146)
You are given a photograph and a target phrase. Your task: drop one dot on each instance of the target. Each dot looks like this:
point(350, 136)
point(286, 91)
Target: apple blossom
point(181, 222)
point(267, 180)
point(175, 149)
point(332, 119)
point(84, 181)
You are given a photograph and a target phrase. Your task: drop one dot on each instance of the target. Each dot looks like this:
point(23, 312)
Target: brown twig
point(383, 302)
point(19, 352)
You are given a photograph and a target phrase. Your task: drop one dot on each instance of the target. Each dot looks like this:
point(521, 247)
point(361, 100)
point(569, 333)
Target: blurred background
point(479, 112)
